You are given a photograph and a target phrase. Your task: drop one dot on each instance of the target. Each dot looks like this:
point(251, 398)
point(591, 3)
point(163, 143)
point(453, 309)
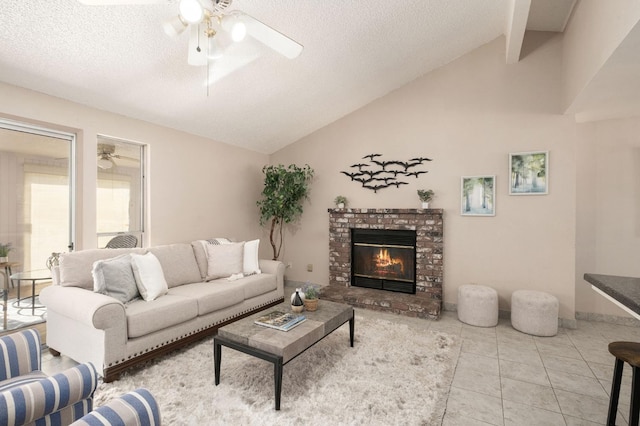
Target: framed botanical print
point(478, 196)
point(529, 173)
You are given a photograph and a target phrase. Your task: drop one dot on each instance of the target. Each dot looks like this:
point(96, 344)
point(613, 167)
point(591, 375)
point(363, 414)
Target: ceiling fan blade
point(124, 157)
point(198, 47)
point(271, 38)
point(122, 2)
point(236, 56)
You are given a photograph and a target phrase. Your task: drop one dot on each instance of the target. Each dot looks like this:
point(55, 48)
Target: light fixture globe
point(233, 24)
point(191, 10)
point(175, 26)
point(238, 31)
point(105, 163)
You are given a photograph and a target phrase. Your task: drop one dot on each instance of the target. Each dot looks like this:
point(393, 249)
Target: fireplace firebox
point(384, 259)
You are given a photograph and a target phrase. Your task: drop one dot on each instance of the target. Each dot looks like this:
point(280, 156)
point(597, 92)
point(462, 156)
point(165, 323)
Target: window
point(120, 189)
point(36, 193)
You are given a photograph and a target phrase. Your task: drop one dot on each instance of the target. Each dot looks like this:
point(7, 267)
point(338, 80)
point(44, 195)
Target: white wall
point(595, 30)
point(608, 226)
point(199, 188)
point(468, 116)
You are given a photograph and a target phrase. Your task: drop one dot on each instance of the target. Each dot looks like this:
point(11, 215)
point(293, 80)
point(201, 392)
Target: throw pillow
point(224, 260)
point(149, 276)
point(251, 262)
point(114, 277)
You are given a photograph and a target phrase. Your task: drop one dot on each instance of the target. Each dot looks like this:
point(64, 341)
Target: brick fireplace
point(428, 225)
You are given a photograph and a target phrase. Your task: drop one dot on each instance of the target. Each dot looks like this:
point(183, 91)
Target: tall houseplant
point(285, 189)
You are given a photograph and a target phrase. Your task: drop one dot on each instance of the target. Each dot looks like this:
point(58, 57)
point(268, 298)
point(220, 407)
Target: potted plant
point(285, 189)
point(311, 294)
point(4, 252)
point(425, 196)
point(340, 201)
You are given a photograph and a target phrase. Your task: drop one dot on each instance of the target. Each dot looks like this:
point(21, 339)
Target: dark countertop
point(625, 290)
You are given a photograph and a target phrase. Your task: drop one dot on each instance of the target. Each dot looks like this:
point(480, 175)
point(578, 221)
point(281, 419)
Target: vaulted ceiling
point(117, 58)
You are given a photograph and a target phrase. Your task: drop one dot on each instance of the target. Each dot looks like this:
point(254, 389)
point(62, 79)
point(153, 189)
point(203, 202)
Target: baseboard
point(611, 319)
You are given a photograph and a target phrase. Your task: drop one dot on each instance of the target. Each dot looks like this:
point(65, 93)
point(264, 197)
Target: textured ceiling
point(117, 58)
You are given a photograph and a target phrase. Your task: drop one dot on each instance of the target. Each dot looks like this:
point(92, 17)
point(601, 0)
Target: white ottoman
point(534, 312)
point(478, 305)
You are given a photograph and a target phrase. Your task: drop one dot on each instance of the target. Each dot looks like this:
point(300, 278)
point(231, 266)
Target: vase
point(297, 301)
point(425, 204)
point(4, 259)
point(299, 293)
point(341, 205)
point(311, 304)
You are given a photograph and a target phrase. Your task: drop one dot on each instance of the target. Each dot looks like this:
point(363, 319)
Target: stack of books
point(281, 320)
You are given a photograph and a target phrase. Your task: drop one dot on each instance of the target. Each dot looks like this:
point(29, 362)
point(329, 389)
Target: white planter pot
point(425, 204)
point(4, 259)
point(341, 205)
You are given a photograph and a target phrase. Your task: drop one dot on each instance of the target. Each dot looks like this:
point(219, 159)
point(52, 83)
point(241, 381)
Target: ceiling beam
point(516, 24)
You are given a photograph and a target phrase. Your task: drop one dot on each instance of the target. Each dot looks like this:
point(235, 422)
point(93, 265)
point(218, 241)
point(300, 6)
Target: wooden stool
point(628, 352)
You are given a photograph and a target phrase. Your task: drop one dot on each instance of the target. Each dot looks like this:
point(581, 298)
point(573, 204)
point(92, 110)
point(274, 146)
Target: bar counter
point(623, 291)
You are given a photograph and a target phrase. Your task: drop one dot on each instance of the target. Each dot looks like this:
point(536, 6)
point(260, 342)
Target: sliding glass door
point(36, 193)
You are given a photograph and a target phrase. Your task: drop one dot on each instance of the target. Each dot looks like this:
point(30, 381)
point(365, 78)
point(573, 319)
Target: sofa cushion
point(114, 277)
point(178, 263)
point(211, 296)
point(224, 260)
point(255, 285)
point(149, 276)
point(169, 310)
point(75, 267)
point(200, 251)
point(251, 261)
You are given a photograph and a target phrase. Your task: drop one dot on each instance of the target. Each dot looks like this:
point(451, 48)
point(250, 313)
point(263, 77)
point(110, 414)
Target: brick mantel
point(428, 225)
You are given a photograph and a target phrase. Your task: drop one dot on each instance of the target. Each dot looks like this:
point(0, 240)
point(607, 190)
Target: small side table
point(5, 269)
point(33, 276)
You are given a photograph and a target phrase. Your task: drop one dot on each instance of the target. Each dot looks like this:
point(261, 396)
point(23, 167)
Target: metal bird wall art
point(379, 174)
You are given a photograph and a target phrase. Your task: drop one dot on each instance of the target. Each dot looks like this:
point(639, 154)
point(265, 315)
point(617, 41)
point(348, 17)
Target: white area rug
point(395, 374)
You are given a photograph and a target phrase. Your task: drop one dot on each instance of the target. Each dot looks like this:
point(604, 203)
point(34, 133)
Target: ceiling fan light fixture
point(232, 23)
point(238, 31)
point(191, 10)
point(105, 163)
point(175, 26)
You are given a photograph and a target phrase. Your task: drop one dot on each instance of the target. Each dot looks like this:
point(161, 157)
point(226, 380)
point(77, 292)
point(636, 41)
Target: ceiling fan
point(106, 154)
point(216, 32)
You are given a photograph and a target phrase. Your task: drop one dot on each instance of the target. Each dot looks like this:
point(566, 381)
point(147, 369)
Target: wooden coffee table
point(280, 347)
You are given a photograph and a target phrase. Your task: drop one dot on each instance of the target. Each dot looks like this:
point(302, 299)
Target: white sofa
point(91, 327)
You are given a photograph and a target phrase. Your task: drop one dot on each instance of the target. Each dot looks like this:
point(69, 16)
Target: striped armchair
point(28, 396)
point(136, 408)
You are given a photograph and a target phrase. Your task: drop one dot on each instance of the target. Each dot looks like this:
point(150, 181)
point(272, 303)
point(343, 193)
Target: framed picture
point(478, 196)
point(529, 173)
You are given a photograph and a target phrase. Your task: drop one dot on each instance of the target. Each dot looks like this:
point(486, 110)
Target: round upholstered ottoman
point(478, 305)
point(534, 312)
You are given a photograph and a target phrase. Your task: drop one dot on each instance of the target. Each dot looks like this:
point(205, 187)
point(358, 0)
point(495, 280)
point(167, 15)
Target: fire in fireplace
point(383, 259)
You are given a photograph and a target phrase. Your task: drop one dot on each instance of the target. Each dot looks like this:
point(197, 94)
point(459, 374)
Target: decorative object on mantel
point(285, 189)
point(4, 252)
point(378, 174)
point(529, 173)
point(478, 196)
point(340, 201)
point(425, 196)
point(311, 294)
point(297, 301)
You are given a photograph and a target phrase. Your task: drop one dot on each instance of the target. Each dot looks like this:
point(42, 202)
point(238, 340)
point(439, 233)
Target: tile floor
point(504, 377)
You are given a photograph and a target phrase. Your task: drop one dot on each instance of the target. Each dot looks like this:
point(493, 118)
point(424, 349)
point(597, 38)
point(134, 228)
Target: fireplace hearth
point(383, 259)
point(388, 266)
